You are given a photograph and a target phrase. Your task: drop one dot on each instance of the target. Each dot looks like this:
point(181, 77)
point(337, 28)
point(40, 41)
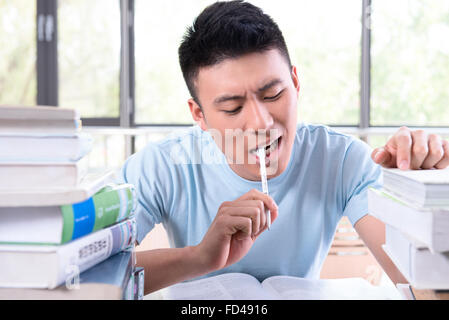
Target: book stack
point(414, 205)
point(65, 233)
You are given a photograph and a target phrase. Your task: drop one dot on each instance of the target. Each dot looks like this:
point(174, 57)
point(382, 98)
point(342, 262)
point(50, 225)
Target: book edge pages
point(413, 175)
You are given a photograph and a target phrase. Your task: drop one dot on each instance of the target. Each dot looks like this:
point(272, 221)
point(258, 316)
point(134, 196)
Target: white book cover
point(55, 225)
point(37, 175)
point(104, 281)
point(48, 266)
point(429, 225)
point(422, 268)
point(56, 196)
point(23, 148)
point(38, 120)
point(11, 112)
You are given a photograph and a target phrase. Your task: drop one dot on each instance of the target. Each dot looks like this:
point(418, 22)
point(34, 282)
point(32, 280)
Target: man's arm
point(164, 267)
point(372, 232)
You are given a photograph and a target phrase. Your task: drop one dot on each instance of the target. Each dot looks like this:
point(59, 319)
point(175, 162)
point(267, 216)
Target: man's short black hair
point(223, 30)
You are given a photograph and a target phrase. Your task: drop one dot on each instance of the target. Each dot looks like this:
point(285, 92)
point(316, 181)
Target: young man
point(203, 185)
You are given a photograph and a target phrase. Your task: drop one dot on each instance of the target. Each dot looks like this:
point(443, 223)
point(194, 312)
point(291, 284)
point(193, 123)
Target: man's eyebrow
point(269, 85)
point(225, 98)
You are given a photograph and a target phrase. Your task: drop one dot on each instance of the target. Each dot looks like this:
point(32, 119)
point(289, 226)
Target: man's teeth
point(268, 148)
point(273, 146)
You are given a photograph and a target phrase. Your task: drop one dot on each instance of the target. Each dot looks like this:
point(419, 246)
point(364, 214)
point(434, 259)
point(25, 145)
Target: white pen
point(263, 177)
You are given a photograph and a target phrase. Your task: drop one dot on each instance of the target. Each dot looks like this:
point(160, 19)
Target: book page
point(294, 288)
point(229, 286)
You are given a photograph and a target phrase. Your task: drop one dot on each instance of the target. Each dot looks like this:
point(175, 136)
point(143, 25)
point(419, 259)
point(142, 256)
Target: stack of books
point(414, 205)
point(65, 233)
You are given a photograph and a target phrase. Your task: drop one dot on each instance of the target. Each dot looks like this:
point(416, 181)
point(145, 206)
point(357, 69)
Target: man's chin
point(275, 169)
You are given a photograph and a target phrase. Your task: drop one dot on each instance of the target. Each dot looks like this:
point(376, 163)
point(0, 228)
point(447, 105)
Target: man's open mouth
point(269, 148)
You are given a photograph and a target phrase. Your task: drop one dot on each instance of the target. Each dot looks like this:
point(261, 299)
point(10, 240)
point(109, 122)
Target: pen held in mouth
point(263, 177)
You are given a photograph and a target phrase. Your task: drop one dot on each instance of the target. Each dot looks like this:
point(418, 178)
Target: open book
point(241, 286)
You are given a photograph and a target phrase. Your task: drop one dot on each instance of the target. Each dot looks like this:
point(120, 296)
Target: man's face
point(249, 102)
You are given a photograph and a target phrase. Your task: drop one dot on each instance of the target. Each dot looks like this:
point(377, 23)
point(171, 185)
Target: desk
point(430, 294)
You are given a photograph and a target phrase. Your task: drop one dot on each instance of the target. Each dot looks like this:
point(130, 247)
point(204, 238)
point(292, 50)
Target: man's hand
point(408, 149)
point(235, 228)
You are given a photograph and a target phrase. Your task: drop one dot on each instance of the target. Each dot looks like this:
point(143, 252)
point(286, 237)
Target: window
point(323, 38)
point(89, 56)
point(324, 43)
point(408, 75)
point(410, 63)
point(161, 93)
point(18, 52)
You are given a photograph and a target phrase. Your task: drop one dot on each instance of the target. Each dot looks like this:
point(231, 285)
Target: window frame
point(47, 70)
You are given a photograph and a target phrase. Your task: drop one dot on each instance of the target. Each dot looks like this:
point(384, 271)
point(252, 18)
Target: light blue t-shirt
point(182, 180)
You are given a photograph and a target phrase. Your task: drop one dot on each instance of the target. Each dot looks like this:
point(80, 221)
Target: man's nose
point(258, 116)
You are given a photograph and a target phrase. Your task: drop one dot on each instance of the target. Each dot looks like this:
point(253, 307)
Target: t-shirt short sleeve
point(147, 172)
point(359, 173)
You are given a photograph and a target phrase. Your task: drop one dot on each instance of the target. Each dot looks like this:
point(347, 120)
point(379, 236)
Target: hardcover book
point(48, 266)
point(428, 225)
point(422, 268)
point(38, 120)
point(91, 183)
point(108, 280)
point(48, 148)
point(61, 224)
point(37, 175)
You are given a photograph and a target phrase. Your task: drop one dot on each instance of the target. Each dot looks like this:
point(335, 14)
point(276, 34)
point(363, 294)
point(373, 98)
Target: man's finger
point(444, 162)
point(381, 156)
point(435, 153)
point(268, 201)
point(255, 213)
point(241, 227)
point(419, 149)
point(403, 141)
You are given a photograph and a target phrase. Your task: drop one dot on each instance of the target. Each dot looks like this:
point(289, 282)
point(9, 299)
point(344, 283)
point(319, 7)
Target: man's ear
point(197, 114)
point(295, 80)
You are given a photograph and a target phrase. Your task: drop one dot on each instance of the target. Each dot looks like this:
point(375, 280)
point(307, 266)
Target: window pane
point(161, 93)
point(18, 52)
point(89, 56)
point(410, 62)
point(323, 38)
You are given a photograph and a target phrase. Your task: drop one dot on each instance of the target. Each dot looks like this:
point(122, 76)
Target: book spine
point(110, 205)
point(128, 293)
point(139, 278)
point(86, 252)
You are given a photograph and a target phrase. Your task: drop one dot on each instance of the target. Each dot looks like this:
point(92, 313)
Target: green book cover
point(108, 206)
